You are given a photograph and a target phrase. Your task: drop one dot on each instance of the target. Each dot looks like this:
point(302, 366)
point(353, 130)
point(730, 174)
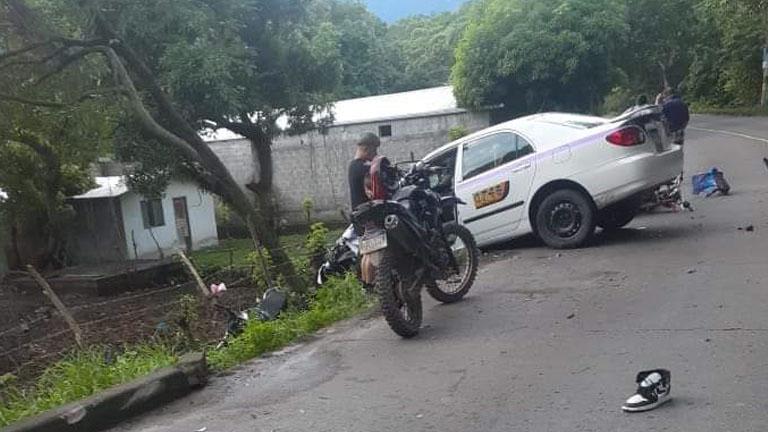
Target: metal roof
point(388, 107)
point(108, 187)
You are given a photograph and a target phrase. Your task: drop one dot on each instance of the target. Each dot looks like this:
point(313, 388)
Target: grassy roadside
point(338, 299)
point(237, 252)
point(84, 373)
point(78, 376)
point(739, 111)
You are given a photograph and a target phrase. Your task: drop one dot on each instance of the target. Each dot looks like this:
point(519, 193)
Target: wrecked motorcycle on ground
point(411, 240)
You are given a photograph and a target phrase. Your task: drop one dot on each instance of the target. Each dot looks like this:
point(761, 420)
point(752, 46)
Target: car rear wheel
point(565, 219)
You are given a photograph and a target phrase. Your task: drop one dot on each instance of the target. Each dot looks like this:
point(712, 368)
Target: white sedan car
point(557, 175)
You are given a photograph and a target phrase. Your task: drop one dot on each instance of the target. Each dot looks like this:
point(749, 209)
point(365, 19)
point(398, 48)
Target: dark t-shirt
point(358, 169)
point(676, 112)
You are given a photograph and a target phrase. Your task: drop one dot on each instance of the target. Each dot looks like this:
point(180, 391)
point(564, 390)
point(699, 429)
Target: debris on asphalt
point(750, 228)
point(571, 316)
point(765, 161)
point(691, 271)
point(710, 183)
point(202, 429)
point(653, 389)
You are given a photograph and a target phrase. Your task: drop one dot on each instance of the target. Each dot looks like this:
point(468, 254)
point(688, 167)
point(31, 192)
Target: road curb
point(112, 406)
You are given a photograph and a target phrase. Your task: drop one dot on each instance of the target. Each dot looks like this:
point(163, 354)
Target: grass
point(337, 300)
point(733, 111)
point(212, 259)
point(78, 376)
point(86, 372)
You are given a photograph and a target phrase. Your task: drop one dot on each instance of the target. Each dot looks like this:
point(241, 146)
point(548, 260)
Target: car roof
point(546, 130)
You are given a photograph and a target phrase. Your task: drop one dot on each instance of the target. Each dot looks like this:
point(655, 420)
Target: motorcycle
point(668, 196)
point(410, 241)
point(268, 309)
point(341, 258)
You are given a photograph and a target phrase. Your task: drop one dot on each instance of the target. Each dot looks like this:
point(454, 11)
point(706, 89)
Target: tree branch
point(66, 61)
point(33, 102)
point(26, 49)
point(142, 115)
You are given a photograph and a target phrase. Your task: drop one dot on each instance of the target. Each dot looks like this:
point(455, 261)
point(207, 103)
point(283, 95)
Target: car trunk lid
point(649, 118)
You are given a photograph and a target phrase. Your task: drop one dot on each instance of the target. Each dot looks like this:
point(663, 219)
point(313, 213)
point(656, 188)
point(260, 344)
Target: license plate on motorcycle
point(373, 243)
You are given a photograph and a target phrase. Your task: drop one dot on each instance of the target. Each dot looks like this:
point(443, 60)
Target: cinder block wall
point(314, 165)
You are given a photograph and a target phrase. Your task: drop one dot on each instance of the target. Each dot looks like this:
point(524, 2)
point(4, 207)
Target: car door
point(494, 175)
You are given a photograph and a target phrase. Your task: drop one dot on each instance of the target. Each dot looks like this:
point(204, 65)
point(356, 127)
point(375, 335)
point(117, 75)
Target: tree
point(46, 147)
point(368, 65)
point(661, 36)
point(532, 55)
point(183, 64)
point(426, 46)
point(726, 66)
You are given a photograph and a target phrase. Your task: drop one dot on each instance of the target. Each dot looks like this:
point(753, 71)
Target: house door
point(181, 216)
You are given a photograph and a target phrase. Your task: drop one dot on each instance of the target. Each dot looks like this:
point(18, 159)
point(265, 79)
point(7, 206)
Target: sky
point(392, 10)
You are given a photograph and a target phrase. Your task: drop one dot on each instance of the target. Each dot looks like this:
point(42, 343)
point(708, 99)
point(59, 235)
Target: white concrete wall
point(315, 166)
point(202, 221)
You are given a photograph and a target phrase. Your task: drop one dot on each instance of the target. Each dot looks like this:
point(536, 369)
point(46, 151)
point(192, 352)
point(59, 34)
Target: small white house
point(117, 224)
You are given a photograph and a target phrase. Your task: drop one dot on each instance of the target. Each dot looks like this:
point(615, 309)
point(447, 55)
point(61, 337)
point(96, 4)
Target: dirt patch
point(33, 335)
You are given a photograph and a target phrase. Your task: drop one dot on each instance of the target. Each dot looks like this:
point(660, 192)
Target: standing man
point(367, 149)
point(677, 115)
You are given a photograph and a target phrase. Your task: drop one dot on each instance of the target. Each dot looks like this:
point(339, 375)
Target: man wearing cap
point(367, 148)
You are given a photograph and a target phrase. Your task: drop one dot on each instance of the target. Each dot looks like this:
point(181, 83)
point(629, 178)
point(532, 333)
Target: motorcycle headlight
point(391, 221)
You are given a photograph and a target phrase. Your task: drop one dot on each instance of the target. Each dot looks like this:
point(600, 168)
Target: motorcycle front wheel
point(401, 308)
point(457, 285)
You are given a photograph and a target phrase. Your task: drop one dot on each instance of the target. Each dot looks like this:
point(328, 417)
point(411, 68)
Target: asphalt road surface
point(549, 341)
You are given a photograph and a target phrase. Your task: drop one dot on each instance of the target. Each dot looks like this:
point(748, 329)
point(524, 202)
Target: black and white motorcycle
point(342, 258)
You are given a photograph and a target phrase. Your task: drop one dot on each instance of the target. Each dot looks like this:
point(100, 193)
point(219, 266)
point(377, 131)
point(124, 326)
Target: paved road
point(547, 341)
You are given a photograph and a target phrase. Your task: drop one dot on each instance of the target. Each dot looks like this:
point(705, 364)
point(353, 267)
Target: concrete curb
point(117, 404)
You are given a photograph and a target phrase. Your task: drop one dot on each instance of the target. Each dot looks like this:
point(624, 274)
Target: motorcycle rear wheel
point(466, 253)
point(401, 310)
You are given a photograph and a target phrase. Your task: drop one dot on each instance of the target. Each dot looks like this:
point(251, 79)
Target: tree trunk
point(214, 176)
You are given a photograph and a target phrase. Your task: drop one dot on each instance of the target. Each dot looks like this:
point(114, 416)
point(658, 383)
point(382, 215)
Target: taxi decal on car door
point(491, 195)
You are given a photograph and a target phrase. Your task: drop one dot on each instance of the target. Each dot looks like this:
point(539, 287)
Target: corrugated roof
point(417, 103)
point(108, 187)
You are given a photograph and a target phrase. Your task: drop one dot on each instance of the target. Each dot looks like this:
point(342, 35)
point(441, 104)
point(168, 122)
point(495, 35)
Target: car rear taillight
point(627, 137)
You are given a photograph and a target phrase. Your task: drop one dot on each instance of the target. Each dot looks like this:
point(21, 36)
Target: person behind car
point(677, 115)
point(367, 149)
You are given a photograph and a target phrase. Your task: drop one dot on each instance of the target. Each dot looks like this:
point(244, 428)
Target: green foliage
point(726, 69)
point(457, 132)
point(260, 261)
point(338, 299)
point(317, 239)
point(424, 46)
point(533, 55)
point(308, 205)
point(79, 375)
point(617, 101)
point(660, 40)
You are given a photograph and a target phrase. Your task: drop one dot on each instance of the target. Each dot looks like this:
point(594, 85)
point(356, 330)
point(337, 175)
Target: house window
point(385, 131)
point(152, 213)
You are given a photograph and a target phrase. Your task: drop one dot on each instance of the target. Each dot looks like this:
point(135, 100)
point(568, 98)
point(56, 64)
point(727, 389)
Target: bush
point(617, 101)
point(338, 299)
point(79, 375)
point(457, 132)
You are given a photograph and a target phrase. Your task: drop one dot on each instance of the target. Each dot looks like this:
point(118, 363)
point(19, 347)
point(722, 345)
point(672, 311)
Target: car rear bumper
point(639, 173)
